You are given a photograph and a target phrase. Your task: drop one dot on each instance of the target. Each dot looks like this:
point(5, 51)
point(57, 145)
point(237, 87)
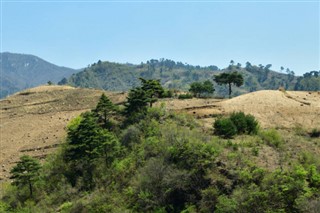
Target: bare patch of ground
point(33, 121)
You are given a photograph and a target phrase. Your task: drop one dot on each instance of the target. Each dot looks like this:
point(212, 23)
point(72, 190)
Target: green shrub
point(185, 96)
point(252, 124)
point(272, 138)
point(225, 128)
point(315, 133)
point(168, 93)
point(239, 120)
point(131, 135)
point(244, 123)
point(237, 123)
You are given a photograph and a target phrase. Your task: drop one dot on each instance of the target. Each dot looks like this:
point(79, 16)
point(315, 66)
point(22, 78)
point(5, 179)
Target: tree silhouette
point(229, 78)
point(281, 68)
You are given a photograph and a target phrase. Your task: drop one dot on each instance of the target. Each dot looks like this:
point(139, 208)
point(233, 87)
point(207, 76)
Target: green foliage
point(201, 88)
point(26, 173)
point(104, 109)
point(153, 90)
point(174, 75)
point(245, 124)
point(167, 93)
point(315, 133)
point(185, 96)
point(137, 101)
point(226, 204)
point(139, 98)
point(309, 82)
point(236, 123)
point(64, 81)
point(272, 138)
point(167, 163)
point(239, 120)
point(225, 127)
point(130, 136)
point(4, 207)
point(86, 143)
point(229, 78)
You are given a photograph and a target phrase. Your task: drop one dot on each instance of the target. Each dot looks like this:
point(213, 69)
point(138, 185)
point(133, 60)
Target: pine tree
point(104, 109)
point(86, 143)
point(153, 89)
point(229, 78)
point(26, 172)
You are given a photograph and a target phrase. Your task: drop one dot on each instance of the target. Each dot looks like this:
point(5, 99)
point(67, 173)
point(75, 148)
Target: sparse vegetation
point(272, 138)
point(166, 161)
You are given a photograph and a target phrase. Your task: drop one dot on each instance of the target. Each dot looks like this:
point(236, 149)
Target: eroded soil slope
point(33, 121)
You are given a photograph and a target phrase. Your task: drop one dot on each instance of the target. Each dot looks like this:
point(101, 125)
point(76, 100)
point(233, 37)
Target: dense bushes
point(236, 123)
point(225, 127)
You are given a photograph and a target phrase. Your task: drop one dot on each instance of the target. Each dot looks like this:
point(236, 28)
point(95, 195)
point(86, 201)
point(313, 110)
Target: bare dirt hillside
point(272, 108)
point(33, 121)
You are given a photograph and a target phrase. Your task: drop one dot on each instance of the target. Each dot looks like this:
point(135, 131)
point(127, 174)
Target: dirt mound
point(33, 121)
point(272, 108)
point(279, 109)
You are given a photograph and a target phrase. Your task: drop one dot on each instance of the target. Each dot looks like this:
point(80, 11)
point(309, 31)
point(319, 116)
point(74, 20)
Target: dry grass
point(33, 121)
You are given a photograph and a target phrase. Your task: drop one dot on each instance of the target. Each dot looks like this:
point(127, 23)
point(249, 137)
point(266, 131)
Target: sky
point(78, 33)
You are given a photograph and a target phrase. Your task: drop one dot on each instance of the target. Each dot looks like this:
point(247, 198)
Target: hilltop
point(21, 71)
point(33, 121)
point(177, 75)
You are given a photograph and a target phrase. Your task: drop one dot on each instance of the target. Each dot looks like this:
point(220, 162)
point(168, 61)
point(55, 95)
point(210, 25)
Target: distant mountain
point(21, 71)
point(177, 75)
point(122, 77)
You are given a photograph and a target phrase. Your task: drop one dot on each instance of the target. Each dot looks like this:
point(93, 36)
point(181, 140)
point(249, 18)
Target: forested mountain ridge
point(21, 71)
point(177, 75)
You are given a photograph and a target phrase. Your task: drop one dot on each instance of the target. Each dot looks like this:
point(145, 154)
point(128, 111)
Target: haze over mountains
point(21, 71)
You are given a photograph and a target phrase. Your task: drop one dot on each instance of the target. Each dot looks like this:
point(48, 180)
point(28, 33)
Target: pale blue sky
point(75, 34)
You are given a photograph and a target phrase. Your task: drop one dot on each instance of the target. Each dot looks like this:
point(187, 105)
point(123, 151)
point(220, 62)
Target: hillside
point(285, 110)
point(21, 71)
point(52, 107)
point(33, 121)
point(164, 160)
point(177, 75)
